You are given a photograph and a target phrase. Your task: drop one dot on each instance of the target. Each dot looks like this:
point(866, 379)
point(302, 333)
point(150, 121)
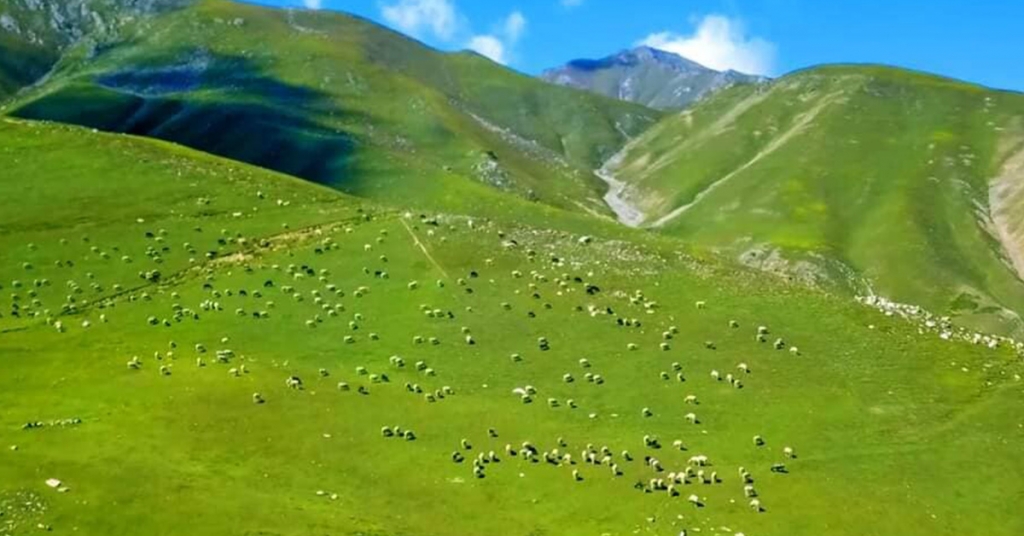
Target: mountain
point(893, 182)
point(648, 76)
point(191, 343)
point(34, 33)
point(341, 101)
point(175, 323)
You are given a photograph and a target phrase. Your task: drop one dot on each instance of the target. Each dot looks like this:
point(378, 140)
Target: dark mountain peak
point(646, 75)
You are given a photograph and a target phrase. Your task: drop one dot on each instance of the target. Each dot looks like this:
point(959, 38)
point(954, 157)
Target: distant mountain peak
point(646, 75)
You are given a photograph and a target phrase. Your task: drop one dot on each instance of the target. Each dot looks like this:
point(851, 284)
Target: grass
point(882, 170)
point(895, 432)
point(381, 115)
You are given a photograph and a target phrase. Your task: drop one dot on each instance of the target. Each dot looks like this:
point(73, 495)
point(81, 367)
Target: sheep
point(324, 373)
point(734, 324)
point(469, 340)
point(788, 452)
point(695, 500)
point(749, 491)
point(779, 344)
point(692, 417)
point(293, 382)
point(598, 379)
point(632, 347)
point(360, 370)
point(646, 412)
point(626, 456)
point(165, 370)
point(571, 403)
point(663, 375)
point(343, 386)
point(742, 367)
point(257, 398)
point(762, 330)
point(794, 350)
point(449, 391)
point(363, 390)
point(701, 305)
point(713, 479)
point(690, 399)
point(755, 505)
point(516, 358)
point(758, 441)
point(678, 445)
point(715, 374)
point(552, 402)
point(584, 362)
point(386, 431)
point(567, 378)
point(134, 363)
point(680, 377)
point(779, 468)
point(665, 346)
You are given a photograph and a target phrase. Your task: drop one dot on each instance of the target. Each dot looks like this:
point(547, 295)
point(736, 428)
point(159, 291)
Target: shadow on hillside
point(221, 105)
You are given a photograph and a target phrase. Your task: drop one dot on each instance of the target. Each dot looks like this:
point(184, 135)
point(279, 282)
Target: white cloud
point(719, 43)
point(489, 46)
point(312, 4)
point(514, 26)
point(498, 44)
point(415, 16)
point(569, 4)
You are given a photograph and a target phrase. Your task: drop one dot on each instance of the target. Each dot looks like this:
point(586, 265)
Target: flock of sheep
point(325, 302)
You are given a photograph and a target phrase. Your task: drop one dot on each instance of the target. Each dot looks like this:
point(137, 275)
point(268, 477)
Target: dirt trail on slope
point(1005, 201)
point(802, 122)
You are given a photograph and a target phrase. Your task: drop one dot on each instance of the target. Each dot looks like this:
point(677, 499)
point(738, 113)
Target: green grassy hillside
point(34, 33)
point(341, 101)
point(878, 178)
point(150, 292)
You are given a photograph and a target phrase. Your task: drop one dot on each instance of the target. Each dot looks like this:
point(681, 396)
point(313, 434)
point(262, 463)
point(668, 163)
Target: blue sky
point(980, 41)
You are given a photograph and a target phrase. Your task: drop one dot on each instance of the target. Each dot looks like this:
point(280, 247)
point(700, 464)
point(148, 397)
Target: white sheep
point(692, 417)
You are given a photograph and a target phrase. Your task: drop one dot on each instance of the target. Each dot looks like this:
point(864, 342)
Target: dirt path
point(423, 248)
point(802, 122)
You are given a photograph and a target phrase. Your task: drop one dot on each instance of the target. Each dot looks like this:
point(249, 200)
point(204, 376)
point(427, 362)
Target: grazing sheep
point(627, 456)
point(755, 505)
point(360, 370)
point(788, 452)
point(632, 347)
point(742, 367)
point(663, 375)
point(758, 441)
point(257, 398)
point(678, 445)
point(779, 468)
point(293, 382)
point(348, 339)
point(715, 374)
point(134, 363)
point(584, 362)
point(342, 386)
point(690, 399)
point(695, 500)
point(762, 330)
point(324, 373)
point(165, 370)
point(571, 403)
point(701, 305)
point(749, 491)
point(680, 377)
point(734, 324)
point(794, 350)
point(646, 412)
point(567, 378)
point(692, 417)
point(779, 344)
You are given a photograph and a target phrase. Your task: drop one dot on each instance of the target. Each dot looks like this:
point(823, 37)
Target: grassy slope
point(885, 171)
point(896, 433)
point(37, 31)
point(344, 102)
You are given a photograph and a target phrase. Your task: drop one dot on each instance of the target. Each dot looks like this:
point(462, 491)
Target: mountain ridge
point(646, 75)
